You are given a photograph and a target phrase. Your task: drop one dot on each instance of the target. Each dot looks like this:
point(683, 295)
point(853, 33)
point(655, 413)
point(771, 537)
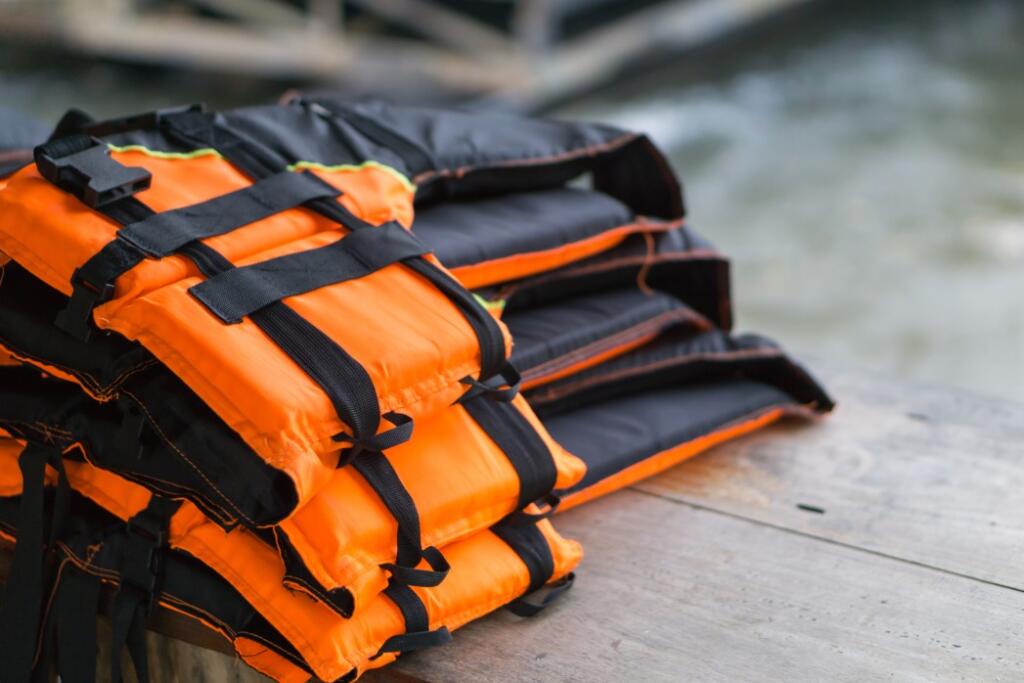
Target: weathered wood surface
point(712, 572)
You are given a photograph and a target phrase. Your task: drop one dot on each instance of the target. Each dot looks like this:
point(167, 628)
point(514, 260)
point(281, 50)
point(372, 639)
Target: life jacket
point(491, 240)
point(570, 335)
point(188, 237)
point(679, 262)
point(644, 411)
point(489, 569)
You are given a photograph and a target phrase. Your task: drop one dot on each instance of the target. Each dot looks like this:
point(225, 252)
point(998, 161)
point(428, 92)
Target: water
point(864, 170)
point(866, 175)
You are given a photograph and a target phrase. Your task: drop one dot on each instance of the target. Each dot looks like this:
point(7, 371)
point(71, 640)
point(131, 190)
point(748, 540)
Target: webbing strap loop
point(82, 165)
point(376, 443)
point(504, 390)
point(523, 518)
point(525, 607)
point(428, 578)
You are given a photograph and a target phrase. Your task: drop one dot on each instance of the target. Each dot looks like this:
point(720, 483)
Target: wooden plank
point(669, 592)
point(930, 475)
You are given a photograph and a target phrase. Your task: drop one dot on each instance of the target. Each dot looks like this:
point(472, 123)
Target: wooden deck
point(883, 543)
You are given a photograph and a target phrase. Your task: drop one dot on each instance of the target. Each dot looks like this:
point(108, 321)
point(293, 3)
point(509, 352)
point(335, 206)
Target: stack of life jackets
point(317, 374)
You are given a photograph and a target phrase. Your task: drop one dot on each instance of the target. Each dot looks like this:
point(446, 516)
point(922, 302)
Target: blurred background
point(862, 163)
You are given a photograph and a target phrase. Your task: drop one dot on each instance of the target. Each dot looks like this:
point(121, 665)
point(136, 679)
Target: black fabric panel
point(613, 435)
point(679, 359)
point(27, 309)
point(241, 291)
point(678, 264)
point(470, 231)
point(296, 572)
point(186, 583)
point(485, 154)
point(181, 431)
point(473, 154)
point(547, 332)
point(182, 449)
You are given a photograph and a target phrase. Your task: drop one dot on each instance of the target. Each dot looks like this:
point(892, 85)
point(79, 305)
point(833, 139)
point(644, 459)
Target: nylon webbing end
point(397, 435)
point(426, 578)
point(524, 607)
point(82, 165)
point(420, 640)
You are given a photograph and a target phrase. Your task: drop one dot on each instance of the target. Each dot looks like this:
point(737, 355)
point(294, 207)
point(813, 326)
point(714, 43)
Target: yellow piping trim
point(203, 152)
point(495, 307)
point(297, 166)
point(300, 165)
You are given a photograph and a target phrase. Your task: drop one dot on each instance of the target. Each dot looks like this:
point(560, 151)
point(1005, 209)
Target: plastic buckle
point(85, 296)
point(142, 559)
point(91, 174)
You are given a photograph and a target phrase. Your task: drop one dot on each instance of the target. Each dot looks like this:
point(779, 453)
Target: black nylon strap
point(76, 609)
point(140, 569)
point(239, 292)
point(259, 161)
point(128, 628)
point(21, 614)
point(417, 159)
point(520, 442)
point(532, 548)
point(163, 233)
point(381, 476)
point(417, 623)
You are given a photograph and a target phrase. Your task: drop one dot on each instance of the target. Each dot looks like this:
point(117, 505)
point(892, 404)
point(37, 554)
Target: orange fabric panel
point(667, 458)
point(413, 342)
point(10, 475)
point(268, 662)
point(523, 265)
